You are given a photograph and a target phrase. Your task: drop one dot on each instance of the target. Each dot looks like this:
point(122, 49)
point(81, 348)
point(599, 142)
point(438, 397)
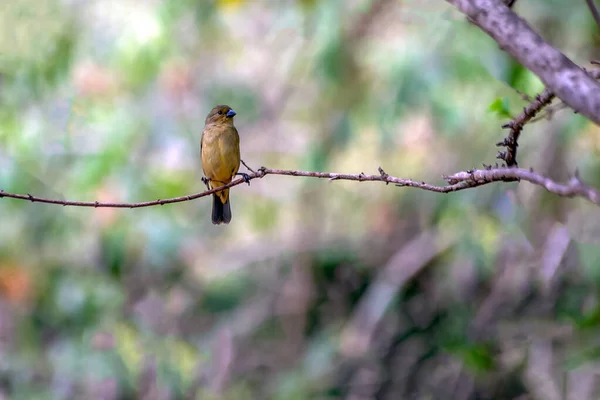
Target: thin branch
point(529, 113)
point(573, 188)
point(516, 126)
point(564, 78)
point(594, 11)
point(458, 181)
point(247, 167)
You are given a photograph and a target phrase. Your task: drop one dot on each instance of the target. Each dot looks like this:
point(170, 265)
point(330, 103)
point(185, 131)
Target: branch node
point(96, 204)
point(31, 197)
point(384, 175)
point(575, 179)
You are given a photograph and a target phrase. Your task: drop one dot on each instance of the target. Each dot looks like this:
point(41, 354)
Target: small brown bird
point(220, 152)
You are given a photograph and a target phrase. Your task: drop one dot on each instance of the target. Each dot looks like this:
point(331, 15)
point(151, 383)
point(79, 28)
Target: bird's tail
point(221, 211)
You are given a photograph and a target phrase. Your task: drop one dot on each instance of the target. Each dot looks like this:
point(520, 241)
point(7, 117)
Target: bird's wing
point(237, 146)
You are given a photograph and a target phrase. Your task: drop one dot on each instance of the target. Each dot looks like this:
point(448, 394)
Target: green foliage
point(37, 45)
point(225, 293)
point(520, 78)
point(590, 259)
point(501, 108)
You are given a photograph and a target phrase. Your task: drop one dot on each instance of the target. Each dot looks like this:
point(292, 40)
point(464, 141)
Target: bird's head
point(221, 114)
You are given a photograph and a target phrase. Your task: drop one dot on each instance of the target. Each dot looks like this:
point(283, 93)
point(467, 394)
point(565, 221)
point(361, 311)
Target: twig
point(458, 181)
point(247, 167)
point(516, 125)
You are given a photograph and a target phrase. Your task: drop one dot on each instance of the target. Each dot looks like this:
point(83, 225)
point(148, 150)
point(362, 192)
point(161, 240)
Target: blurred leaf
point(229, 3)
point(264, 214)
point(113, 248)
point(411, 90)
point(37, 47)
point(590, 258)
point(590, 320)
point(334, 62)
point(570, 303)
point(307, 5)
point(225, 293)
point(129, 348)
point(586, 355)
point(143, 51)
point(521, 79)
point(316, 158)
point(500, 107)
point(478, 358)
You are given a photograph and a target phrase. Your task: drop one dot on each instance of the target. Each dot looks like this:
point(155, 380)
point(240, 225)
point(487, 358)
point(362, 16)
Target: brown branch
point(516, 125)
point(564, 78)
point(458, 181)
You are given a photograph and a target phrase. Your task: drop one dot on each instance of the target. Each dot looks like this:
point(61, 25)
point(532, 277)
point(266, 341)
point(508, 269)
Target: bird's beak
point(230, 114)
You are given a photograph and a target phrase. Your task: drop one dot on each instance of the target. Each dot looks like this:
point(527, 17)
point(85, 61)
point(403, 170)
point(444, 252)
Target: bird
point(220, 154)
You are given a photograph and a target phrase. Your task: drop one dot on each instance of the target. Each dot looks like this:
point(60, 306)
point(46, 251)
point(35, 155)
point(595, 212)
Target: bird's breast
point(220, 153)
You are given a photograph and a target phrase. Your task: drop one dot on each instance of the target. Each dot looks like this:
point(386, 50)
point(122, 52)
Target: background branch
point(458, 181)
point(568, 81)
point(594, 11)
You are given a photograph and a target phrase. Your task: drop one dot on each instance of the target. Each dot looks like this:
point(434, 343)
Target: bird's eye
point(220, 112)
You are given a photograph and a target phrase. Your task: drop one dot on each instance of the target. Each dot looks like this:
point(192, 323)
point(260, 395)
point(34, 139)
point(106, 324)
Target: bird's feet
point(245, 176)
point(205, 180)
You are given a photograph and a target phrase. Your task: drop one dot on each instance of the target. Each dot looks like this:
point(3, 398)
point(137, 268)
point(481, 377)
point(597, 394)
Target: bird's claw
point(206, 181)
point(245, 176)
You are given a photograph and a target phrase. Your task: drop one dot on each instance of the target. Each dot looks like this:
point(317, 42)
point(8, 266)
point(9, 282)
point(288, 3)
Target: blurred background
point(317, 289)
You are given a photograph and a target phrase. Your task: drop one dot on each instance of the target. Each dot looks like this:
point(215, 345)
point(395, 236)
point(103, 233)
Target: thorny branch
point(568, 81)
point(458, 181)
point(575, 86)
point(516, 125)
